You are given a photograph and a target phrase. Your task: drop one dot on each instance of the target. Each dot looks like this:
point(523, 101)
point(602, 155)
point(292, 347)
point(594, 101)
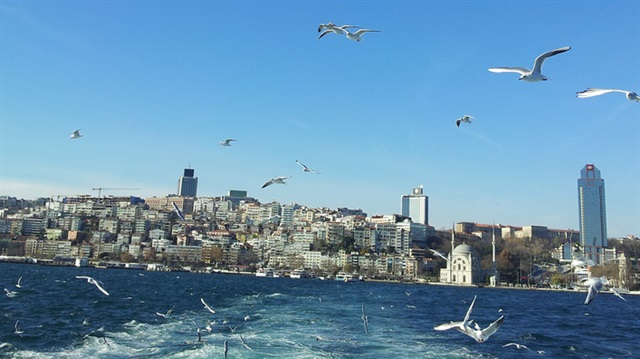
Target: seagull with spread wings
point(439, 254)
point(75, 135)
point(465, 119)
point(357, 36)
point(275, 180)
point(535, 74)
point(227, 142)
point(305, 168)
point(97, 283)
point(332, 28)
point(207, 307)
point(590, 92)
point(480, 335)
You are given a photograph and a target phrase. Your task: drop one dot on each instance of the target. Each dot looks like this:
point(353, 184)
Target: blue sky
point(155, 85)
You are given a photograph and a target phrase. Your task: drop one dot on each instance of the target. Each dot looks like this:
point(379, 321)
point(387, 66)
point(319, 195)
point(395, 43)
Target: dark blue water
point(294, 318)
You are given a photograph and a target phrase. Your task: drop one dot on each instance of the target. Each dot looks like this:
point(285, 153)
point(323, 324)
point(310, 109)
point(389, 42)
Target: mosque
point(464, 268)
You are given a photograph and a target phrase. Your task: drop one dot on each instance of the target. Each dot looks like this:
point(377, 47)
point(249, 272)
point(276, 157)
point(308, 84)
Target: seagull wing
point(537, 64)
point(492, 328)
point(365, 319)
point(617, 294)
point(591, 295)
point(97, 284)
point(207, 306)
point(362, 31)
point(447, 326)
point(590, 92)
point(324, 33)
point(520, 70)
point(244, 343)
point(268, 183)
point(433, 250)
point(302, 164)
point(466, 317)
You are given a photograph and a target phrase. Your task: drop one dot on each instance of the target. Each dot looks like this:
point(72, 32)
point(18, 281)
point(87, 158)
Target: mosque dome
point(463, 249)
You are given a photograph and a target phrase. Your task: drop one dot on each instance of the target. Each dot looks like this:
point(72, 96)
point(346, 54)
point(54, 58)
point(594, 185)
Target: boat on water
point(265, 272)
point(299, 273)
point(345, 277)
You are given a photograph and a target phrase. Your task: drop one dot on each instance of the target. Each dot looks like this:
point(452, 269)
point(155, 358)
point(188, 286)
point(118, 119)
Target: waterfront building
point(463, 267)
point(416, 206)
point(188, 184)
point(592, 213)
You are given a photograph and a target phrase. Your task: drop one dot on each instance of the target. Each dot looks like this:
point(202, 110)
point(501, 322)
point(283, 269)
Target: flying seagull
point(617, 294)
point(197, 330)
point(465, 119)
point(590, 92)
point(75, 135)
point(333, 28)
point(305, 168)
point(167, 314)
point(518, 346)
point(19, 284)
point(439, 254)
point(365, 319)
point(533, 75)
point(480, 335)
point(244, 343)
point(207, 307)
point(97, 283)
point(275, 180)
point(595, 285)
point(227, 142)
point(356, 36)
point(17, 328)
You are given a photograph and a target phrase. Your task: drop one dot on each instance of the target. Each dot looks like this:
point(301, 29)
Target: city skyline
point(152, 98)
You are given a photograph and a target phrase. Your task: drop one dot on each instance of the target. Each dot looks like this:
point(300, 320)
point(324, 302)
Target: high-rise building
point(187, 184)
point(593, 219)
point(416, 206)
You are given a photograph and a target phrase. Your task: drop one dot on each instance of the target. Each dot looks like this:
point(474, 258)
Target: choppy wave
point(63, 317)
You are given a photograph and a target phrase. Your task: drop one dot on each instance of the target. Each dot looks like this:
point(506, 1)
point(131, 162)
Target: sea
point(61, 316)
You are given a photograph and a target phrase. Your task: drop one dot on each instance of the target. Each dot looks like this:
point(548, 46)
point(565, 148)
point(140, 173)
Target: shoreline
point(150, 267)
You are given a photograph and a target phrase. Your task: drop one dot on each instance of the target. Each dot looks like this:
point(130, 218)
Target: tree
point(216, 254)
point(125, 257)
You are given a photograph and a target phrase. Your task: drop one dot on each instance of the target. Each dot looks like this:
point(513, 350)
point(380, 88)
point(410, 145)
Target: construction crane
point(100, 189)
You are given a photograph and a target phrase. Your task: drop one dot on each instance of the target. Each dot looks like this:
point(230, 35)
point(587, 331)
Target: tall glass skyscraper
point(416, 206)
point(187, 184)
point(593, 218)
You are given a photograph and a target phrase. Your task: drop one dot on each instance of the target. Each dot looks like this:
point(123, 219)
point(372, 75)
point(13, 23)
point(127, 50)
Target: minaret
point(450, 261)
point(493, 244)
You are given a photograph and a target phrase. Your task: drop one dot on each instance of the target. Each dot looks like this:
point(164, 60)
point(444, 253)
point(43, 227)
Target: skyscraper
point(416, 206)
point(593, 219)
point(187, 184)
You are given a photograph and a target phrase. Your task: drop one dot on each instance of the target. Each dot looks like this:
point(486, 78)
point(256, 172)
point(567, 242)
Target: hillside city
point(237, 233)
